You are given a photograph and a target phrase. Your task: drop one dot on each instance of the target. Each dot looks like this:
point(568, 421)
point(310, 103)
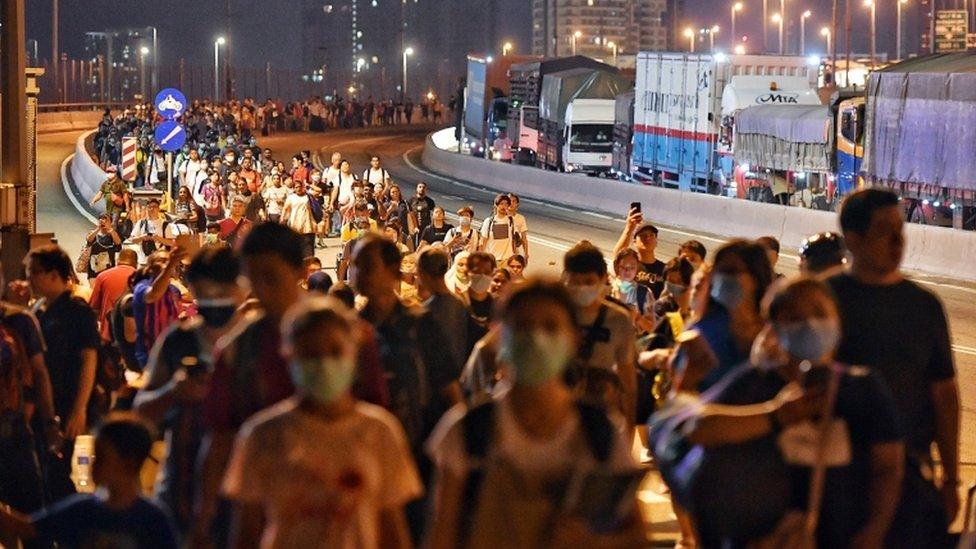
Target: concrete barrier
point(50, 122)
point(938, 251)
point(86, 175)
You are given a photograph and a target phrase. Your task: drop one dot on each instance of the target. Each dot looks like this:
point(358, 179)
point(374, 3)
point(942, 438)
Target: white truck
point(685, 106)
point(588, 136)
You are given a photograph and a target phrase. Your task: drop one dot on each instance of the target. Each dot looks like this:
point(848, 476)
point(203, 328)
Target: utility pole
point(833, 39)
point(55, 54)
point(228, 78)
point(847, 42)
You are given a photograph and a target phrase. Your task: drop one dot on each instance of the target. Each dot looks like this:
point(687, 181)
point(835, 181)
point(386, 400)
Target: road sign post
point(170, 135)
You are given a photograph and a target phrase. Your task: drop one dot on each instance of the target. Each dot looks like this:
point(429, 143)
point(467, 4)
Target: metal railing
point(92, 106)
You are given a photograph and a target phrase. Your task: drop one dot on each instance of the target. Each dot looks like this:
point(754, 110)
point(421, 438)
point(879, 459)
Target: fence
point(86, 81)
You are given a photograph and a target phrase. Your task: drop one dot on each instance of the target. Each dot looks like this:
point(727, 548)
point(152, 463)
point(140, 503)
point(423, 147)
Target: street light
point(740, 49)
point(506, 47)
point(690, 35)
point(803, 31)
point(576, 36)
point(778, 19)
point(871, 5)
point(899, 4)
point(613, 46)
point(220, 41)
point(711, 37)
point(143, 51)
point(737, 7)
point(825, 32)
point(407, 52)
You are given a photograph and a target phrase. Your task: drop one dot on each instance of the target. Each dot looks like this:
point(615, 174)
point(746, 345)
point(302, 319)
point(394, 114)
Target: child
point(321, 469)
point(116, 515)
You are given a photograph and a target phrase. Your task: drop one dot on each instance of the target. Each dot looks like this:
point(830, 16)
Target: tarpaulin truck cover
point(921, 123)
point(784, 137)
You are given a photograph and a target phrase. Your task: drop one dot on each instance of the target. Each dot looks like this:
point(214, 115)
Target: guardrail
point(65, 107)
point(936, 250)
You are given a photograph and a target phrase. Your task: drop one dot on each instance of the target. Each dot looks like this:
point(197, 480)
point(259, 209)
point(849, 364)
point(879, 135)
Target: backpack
point(478, 429)
point(126, 349)
point(318, 213)
point(150, 246)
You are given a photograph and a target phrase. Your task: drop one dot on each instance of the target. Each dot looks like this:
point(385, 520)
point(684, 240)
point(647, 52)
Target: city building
point(120, 50)
point(602, 28)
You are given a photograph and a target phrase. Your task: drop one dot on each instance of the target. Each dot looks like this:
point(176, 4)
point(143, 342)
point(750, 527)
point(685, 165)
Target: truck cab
point(588, 136)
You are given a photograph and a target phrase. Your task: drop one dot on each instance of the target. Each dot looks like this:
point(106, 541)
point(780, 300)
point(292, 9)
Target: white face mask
point(480, 282)
point(324, 379)
point(465, 221)
point(584, 296)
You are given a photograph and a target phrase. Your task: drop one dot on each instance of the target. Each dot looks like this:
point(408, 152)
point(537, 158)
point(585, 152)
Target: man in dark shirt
point(421, 209)
point(900, 329)
point(418, 358)
point(642, 236)
point(68, 325)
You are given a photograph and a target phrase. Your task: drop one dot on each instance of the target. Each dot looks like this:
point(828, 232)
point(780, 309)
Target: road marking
point(70, 194)
point(600, 215)
point(964, 350)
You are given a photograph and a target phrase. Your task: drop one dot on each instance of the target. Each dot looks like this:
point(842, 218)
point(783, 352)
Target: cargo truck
point(685, 106)
point(576, 118)
point(525, 82)
point(486, 100)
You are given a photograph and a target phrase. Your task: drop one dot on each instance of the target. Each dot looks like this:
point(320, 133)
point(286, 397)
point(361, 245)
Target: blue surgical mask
point(536, 356)
point(810, 340)
point(480, 282)
point(324, 379)
point(726, 290)
point(626, 286)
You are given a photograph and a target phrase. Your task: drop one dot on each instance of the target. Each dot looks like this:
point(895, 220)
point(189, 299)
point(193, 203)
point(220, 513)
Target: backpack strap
point(598, 431)
point(592, 334)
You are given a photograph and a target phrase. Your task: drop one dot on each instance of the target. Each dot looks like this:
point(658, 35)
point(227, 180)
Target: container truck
point(685, 107)
point(486, 100)
point(576, 117)
point(525, 81)
point(920, 136)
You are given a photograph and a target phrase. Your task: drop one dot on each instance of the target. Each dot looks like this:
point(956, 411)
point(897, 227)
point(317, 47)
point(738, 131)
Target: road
point(553, 229)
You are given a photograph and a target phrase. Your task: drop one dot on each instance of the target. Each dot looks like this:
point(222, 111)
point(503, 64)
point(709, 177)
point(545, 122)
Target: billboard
point(951, 28)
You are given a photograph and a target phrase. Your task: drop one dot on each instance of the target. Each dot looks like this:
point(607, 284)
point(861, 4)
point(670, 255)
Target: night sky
point(267, 30)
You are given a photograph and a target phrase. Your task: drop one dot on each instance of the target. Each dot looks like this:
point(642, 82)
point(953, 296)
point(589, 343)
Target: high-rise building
point(593, 27)
point(359, 44)
point(120, 51)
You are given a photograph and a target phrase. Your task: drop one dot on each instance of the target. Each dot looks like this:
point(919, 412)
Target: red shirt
point(227, 226)
point(109, 286)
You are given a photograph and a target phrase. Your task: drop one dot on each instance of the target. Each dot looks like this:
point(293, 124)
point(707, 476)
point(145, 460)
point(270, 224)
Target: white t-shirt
point(190, 170)
point(299, 214)
point(322, 483)
point(497, 234)
point(375, 176)
point(272, 195)
point(566, 451)
point(345, 188)
point(147, 227)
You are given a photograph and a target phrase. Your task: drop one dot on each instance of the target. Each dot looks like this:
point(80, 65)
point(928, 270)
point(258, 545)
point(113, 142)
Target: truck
point(525, 83)
point(486, 100)
point(685, 107)
point(576, 117)
point(810, 152)
point(920, 136)
point(623, 133)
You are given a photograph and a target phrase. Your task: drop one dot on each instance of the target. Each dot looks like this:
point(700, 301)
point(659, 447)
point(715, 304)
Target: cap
point(644, 227)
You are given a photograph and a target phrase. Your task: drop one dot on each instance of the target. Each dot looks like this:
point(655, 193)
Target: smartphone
point(635, 207)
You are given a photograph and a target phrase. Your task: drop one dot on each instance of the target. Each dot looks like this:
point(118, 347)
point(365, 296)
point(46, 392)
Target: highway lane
point(552, 228)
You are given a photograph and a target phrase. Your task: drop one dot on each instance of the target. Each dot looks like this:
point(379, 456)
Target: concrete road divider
point(938, 251)
point(86, 175)
point(51, 122)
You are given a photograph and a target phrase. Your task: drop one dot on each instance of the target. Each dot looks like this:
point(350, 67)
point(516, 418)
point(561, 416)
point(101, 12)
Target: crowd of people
point(428, 392)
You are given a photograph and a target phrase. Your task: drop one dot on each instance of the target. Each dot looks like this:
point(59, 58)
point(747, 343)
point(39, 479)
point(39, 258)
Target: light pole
point(899, 4)
point(407, 52)
point(142, 71)
point(711, 37)
point(506, 48)
point(803, 31)
point(784, 27)
point(737, 7)
point(778, 19)
point(765, 26)
point(576, 36)
point(825, 32)
point(613, 47)
point(220, 41)
point(690, 35)
point(871, 5)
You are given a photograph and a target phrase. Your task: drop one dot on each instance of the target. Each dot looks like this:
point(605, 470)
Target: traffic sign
point(951, 28)
point(170, 136)
point(170, 103)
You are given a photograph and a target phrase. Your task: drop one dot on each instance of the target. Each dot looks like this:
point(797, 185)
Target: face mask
point(626, 286)
point(216, 312)
point(809, 340)
point(323, 379)
point(584, 296)
point(537, 357)
point(726, 290)
point(480, 283)
point(676, 290)
point(465, 221)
